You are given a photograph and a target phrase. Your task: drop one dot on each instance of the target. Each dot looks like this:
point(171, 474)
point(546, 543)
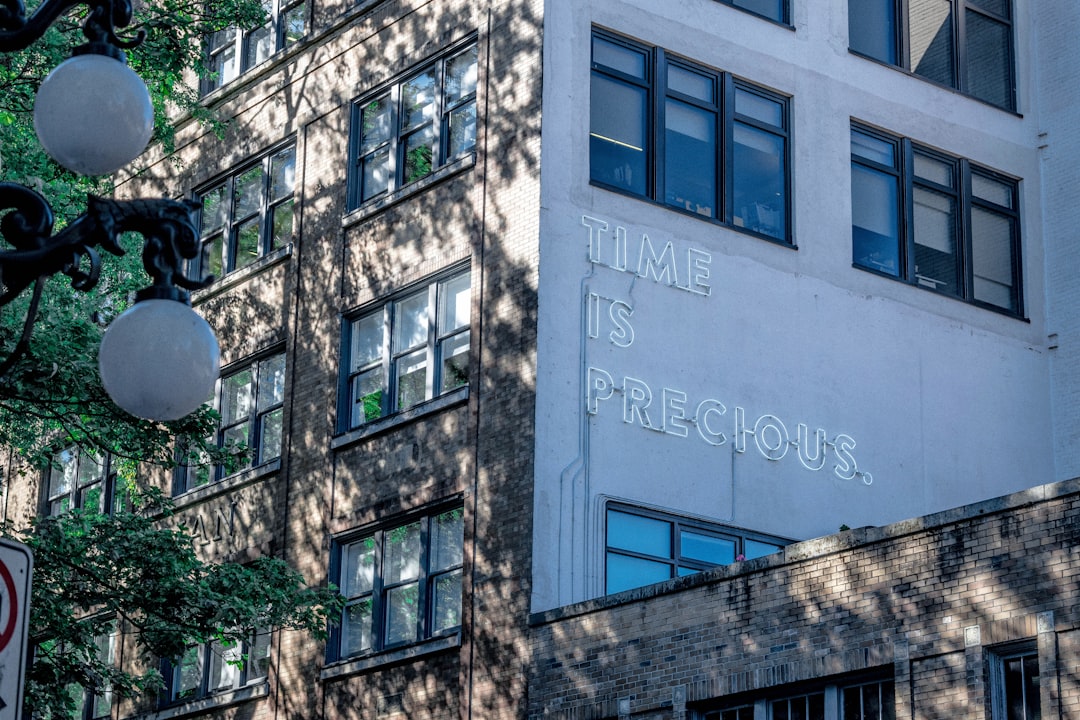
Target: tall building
point(705, 359)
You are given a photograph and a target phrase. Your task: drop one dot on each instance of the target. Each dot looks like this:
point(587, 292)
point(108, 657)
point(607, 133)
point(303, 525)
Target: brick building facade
point(566, 335)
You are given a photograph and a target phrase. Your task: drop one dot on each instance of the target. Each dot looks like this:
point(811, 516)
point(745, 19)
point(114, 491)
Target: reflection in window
point(677, 154)
point(402, 584)
point(981, 66)
point(645, 547)
point(85, 479)
point(409, 350)
point(217, 666)
point(246, 216)
point(978, 261)
point(404, 133)
point(1014, 683)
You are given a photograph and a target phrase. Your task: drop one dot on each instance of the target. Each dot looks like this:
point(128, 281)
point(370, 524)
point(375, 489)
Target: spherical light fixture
point(159, 360)
point(93, 114)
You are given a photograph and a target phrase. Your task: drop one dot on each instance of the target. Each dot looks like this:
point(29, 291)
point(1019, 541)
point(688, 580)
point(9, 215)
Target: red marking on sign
point(13, 606)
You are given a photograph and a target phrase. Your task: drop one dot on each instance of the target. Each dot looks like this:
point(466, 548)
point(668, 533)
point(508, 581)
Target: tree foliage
point(139, 567)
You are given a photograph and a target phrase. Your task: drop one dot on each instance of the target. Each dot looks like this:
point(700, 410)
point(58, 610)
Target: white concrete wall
point(935, 402)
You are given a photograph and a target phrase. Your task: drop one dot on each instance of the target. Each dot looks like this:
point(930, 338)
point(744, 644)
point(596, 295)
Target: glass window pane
point(1032, 706)
point(447, 540)
point(270, 442)
point(366, 337)
point(706, 548)
point(282, 174)
point(931, 32)
point(460, 76)
point(258, 46)
point(1001, 7)
point(402, 607)
point(872, 148)
point(411, 321)
point(646, 535)
point(454, 352)
point(214, 210)
point(755, 549)
point(375, 174)
point(759, 180)
point(247, 192)
point(225, 661)
point(367, 397)
point(872, 29)
point(187, 676)
point(760, 108)
point(852, 705)
point(690, 160)
point(90, 467)
point(238, 436)
point(272, 381)
point(446, 597)
point(223, 66)
point(875, 221)
point(989, 61)
point(258, 660)
point(295, 24)
point(992, 258)
point(213, 251)
point(617, 136)
point(92, 497)
point(418, 100)
point(624, 573)
point(772, 9)
point(247, 243)
point(935, 170)
point(689, 82)
point(359, 568)
point(991, 190)
point(62, 474)
point(618, 57)
point(462, 135)
point(411, 379)
point(454, 301)
point(236, 400)
point(283, 224)
point(936, 264)
point(374, 124)
point(419, 155)
point(401, 554)
point(356, 628)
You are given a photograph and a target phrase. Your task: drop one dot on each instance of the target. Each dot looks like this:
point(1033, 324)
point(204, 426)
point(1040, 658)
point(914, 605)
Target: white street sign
point(16, 567)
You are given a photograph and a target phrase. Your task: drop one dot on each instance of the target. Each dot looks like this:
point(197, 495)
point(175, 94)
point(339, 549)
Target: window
point(690, 137)
point(644, 547)
point(409, 350)
point(95, 702)
point(247, 216)
point(772, 9)
point(853, 701)
point(402, 584)
point(231, 51)
point(1014, 683)
point(936, 221)
point(217, 666)
point(406, 131)
point(84, 479)
point(965, 44)
point(250, 401)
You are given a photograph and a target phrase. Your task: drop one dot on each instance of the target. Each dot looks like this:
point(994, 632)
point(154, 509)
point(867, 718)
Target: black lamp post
point(159, 359)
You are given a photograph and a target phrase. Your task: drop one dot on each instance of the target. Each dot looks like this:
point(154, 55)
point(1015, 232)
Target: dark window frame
point(107, 479)
point(813, 700)
point(219, 244)
point(677, 560)
point(191, 475)
point(353, 410)
point(903, 169)
point(248, 673)
point(426, 579)
point(961, 66)
point(395, 144)
point(999, 657)
point(654, 82)
point(238, 43)
point(783, 19)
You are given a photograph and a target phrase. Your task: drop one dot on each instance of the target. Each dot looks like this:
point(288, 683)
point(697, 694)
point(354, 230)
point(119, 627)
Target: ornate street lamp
point(158, 360)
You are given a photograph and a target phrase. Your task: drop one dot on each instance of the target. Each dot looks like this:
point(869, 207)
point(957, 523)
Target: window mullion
point(377, 605)
point(432, 340)
point(903, 36)
point(964, 244)
point(423, 589)
point(960, 55)
point(388, 374)
point(726, 160)
point(907, 210)
point(395, 138)
point(658, 119)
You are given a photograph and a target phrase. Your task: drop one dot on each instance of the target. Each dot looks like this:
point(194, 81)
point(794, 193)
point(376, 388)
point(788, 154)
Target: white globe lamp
point(159, 360)
point(93, 114)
